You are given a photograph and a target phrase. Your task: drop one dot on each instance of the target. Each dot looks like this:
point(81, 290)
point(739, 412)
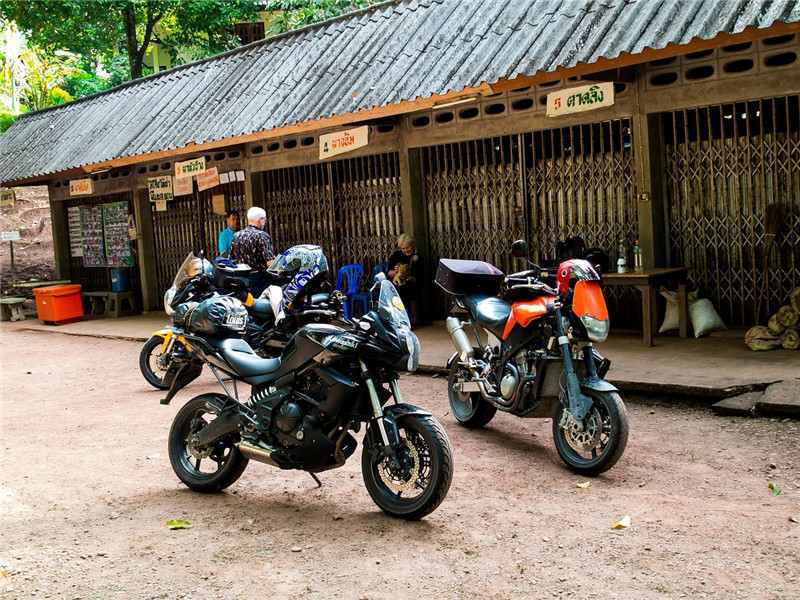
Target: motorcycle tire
point(469, 408)
point(153, 364)
point(415, 494)
point(601, 443)
point(207, 469)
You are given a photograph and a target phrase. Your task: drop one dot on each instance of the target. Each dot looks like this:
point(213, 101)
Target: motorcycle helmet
point(304, 266)
point(576, 269)
point(197, 266)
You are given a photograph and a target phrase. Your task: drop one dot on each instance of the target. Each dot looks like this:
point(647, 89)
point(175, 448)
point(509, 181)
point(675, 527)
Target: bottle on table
point(622, 262)
point(638, 265)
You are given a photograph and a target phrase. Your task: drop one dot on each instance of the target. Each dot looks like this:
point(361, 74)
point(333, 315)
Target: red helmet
point(575, 268)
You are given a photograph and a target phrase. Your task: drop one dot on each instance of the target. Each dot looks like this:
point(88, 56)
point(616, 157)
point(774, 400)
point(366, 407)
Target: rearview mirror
point(519, 249)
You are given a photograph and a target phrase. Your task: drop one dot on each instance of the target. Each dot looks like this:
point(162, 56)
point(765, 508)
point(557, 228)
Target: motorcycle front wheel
point(597, 444)
point(153, 363)
point(469, 408)
point(416, 489)
point(209, 468)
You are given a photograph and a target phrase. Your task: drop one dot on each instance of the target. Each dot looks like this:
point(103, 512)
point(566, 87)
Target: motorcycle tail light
point(596, 329)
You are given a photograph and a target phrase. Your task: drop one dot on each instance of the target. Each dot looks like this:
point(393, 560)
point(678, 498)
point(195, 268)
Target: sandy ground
point(87, 489)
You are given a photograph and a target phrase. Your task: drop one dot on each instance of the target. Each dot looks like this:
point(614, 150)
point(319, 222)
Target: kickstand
point(319, 483)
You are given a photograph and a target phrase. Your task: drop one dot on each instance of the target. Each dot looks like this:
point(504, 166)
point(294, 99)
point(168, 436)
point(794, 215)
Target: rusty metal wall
point(97, 279)
point(543, 186)
point(724, 165)
point(349, 207)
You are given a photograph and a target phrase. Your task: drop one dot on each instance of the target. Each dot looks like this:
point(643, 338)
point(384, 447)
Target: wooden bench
point(99, 302)
point(11, 309)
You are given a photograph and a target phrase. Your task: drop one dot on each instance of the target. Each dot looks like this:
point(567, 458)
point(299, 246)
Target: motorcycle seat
point(490, 312)
point(261, 309)
point(246, 362)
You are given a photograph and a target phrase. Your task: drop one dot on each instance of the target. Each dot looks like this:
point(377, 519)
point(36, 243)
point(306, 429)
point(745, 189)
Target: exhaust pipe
point(460, 339)
point(258, 453)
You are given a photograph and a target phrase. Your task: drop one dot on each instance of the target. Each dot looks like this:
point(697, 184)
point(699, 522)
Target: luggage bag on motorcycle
point(468, 277)
point(219, 316)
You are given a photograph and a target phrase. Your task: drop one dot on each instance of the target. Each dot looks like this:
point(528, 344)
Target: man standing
point(226, 237)
point(253, 246)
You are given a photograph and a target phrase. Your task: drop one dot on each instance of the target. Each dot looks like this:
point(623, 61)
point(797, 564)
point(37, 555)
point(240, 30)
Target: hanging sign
point(160, 188)
point(161, 205)
point(9, 236)
point(331, 144)
point(190, 167)
point(580, 99)
point(182, 186)
point(7, 197)
point(81, 187)
point(208, 179)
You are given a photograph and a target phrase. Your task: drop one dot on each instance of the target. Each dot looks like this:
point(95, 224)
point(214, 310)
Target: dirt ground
point(33, 253)
point(87, 490)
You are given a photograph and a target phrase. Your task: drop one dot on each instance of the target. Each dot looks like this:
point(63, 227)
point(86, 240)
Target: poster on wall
point(182, 186)
point(92, 236)
point(117, 239)
point(75, 237)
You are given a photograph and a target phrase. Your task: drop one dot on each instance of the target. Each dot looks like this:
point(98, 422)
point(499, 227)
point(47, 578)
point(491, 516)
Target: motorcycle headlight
point(596, 330)
point(412, 345)
point(168, 301)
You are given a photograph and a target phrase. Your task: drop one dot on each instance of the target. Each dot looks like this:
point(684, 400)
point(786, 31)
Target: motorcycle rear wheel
point(153, 364)
point(421, 487)
point(206, 469)
point(469, 408)
point(601, 443)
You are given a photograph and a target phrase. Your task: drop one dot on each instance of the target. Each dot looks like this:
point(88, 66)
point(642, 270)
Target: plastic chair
point(362, 299)
point(348, 274)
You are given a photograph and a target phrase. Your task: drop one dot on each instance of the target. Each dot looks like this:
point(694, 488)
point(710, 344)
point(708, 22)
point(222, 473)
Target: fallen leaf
point(179, 525)
point(775, 489)
point(623, 523)
point(794, 520)
point(585, 484)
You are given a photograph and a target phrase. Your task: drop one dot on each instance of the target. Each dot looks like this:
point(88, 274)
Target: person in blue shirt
point(226, 237)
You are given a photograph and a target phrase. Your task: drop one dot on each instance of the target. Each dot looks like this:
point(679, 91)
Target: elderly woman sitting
point(404, 268)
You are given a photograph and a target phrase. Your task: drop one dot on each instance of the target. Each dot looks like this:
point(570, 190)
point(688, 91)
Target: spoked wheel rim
point(407, 484)
point(203, 462)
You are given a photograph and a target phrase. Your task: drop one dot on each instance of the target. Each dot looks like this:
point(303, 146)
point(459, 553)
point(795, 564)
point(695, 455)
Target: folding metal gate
point(544, 186)
point(349, 207)
point(724, 165)
point(190, 225)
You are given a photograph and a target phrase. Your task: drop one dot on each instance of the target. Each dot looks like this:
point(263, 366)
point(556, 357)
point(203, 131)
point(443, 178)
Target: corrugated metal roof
point(394, 51)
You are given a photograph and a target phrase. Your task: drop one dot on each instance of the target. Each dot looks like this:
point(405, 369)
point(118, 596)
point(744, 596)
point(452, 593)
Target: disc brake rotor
point(401, 481)
point(587, 437)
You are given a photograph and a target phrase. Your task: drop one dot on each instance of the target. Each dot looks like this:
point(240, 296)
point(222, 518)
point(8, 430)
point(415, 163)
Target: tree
point(104, 29)
point(291, 14)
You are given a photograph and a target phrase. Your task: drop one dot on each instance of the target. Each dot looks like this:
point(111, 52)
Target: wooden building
point(469, 124)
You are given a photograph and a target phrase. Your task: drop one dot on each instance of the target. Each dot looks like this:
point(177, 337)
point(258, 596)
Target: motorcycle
point(539, 359)
point(303, 406)
point(272, 320)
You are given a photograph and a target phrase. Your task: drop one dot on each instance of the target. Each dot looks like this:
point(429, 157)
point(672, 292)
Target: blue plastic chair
point(362, 299)
point(349, 275)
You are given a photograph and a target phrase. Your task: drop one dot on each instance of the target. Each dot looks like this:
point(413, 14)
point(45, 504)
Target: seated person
point(404, 268)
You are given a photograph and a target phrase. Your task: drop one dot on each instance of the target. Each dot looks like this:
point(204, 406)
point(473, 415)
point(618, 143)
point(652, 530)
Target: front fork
point(574, 401)
point(390, 435)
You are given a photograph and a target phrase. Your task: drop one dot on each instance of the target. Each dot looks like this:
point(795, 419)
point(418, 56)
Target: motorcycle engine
point(509, 383)
point(288, 417)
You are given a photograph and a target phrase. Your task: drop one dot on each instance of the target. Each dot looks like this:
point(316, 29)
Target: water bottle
point(622, 263)
point(638, 266)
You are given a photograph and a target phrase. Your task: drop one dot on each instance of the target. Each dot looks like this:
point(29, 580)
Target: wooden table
point(647, 283)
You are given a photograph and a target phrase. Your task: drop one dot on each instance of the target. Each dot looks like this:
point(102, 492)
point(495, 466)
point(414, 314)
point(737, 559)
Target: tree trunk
point(134, 59)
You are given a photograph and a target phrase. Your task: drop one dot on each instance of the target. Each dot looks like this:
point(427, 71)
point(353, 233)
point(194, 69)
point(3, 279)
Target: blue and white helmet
point(303, 264)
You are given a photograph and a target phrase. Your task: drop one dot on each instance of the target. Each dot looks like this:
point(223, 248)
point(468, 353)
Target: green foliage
point(292, 14)
point(6, 119)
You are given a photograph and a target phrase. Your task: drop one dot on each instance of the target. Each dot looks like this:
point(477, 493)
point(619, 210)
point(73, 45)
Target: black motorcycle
point(271, 323)
point(303, 406)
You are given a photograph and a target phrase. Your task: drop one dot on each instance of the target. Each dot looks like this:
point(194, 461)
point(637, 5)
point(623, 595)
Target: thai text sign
point(580, 99)
point(181, 186)
point(10, 236)
point(188, 168)
point(6, 196)
point(208, 179)
point(331, 144)
point(80, 187)
point(160, 188)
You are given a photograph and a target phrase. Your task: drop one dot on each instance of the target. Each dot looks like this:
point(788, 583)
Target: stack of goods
point(782, 330)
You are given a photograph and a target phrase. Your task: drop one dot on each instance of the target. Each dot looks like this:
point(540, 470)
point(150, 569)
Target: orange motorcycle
point(533, 354)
